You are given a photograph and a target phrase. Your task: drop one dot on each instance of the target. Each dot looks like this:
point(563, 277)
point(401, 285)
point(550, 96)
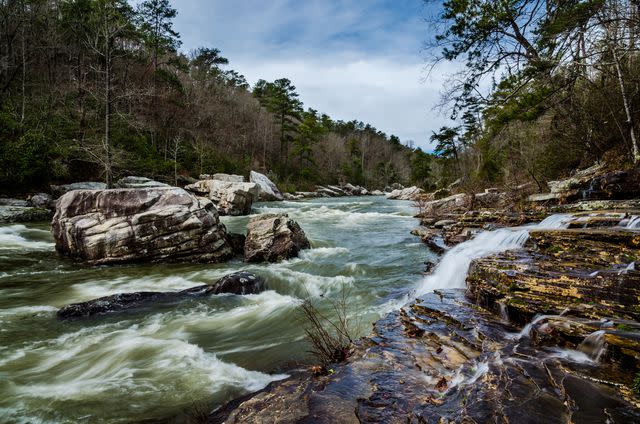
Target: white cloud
point(390, 95)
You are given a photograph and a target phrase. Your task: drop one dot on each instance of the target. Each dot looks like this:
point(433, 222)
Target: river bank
point(493, 345)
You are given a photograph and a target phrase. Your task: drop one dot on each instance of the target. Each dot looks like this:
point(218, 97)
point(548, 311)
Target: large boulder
point(267, 189)
point(240, 283)
point(139, 182)
point(152, 224)
point(410, 193)
point(59, 190)
point(231, 198)
point(273, 238)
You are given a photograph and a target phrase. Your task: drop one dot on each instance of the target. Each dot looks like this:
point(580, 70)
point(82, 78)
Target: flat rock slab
point(441, 360)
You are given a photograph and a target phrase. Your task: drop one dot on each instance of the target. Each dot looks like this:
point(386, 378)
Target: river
point(158, 362)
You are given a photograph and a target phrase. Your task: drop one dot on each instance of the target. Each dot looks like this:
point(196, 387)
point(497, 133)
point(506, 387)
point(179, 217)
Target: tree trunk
point(107, 108)
point(627, 108)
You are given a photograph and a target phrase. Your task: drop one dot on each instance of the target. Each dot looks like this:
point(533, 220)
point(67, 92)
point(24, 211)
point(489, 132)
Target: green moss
point(636, 384)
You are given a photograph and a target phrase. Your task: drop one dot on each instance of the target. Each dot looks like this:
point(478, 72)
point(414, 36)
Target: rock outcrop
point(42, 200)
point(267, 190)
point(444, 360)
point(152, 224)
point(586, 272)
point(410, 193)
point(240, 283)
point(594, 183)
point(231, 198)
point(273, 238)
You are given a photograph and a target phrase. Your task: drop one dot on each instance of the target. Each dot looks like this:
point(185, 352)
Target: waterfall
point(451, 271)
point(634, 222)
point(594, 345)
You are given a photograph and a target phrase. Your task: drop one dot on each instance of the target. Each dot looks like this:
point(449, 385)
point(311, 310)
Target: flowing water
point(155, 363)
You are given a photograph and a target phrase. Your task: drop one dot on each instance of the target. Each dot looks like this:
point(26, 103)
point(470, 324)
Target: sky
point(351, 59)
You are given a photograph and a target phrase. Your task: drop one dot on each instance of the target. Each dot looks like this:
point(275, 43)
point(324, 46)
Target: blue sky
point(350, 59)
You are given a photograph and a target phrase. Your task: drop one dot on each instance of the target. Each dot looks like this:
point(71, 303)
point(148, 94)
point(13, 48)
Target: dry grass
point(331, 337)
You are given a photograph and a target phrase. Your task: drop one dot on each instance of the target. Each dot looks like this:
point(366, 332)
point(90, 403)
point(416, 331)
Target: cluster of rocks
point(232, 195)
point(332, 191)
point(163, 223)
point(594, 183)
point(536, 330)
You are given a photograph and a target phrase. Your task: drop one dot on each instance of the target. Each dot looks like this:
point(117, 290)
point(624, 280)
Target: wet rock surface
point(152, 224)
point(545, 333)
point(442, 359)
point(586, 272)
point(240, 283)
point(273, 238)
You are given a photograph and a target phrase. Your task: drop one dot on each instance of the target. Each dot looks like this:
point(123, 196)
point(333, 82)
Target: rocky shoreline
point(538, 327)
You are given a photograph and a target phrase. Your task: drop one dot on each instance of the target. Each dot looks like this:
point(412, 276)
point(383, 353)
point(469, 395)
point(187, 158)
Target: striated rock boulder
point(411, 193)
point(59, 190)
point(267, 190)
point(231, 198)
point(273, 238)
point(139, 182)
point(152, 224)
point(240, 283)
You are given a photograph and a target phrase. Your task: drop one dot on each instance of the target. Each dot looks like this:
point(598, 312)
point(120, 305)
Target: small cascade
point(594, 345)
point(634, 222)
point(504, 312)
point(452, 270)
point(527, 328)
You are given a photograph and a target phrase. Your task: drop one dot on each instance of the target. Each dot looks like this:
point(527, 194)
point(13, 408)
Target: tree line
point(547, 86)
point(99, 89)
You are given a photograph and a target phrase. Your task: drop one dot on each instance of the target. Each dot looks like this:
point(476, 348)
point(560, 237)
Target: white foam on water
point(15, 237)
point(634, 222)
point(151, 358)
point(451, 271)
point(26, 310)
point(100, 288)
point(313, 285)
point(322, 252)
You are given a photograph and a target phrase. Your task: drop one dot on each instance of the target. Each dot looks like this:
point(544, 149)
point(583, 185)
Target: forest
point(100, 89)
point(545, 87)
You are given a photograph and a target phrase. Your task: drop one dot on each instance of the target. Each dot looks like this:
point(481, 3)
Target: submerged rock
point(151, 224)
point(267, 189)
point(240, 283)
point(273, 238)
